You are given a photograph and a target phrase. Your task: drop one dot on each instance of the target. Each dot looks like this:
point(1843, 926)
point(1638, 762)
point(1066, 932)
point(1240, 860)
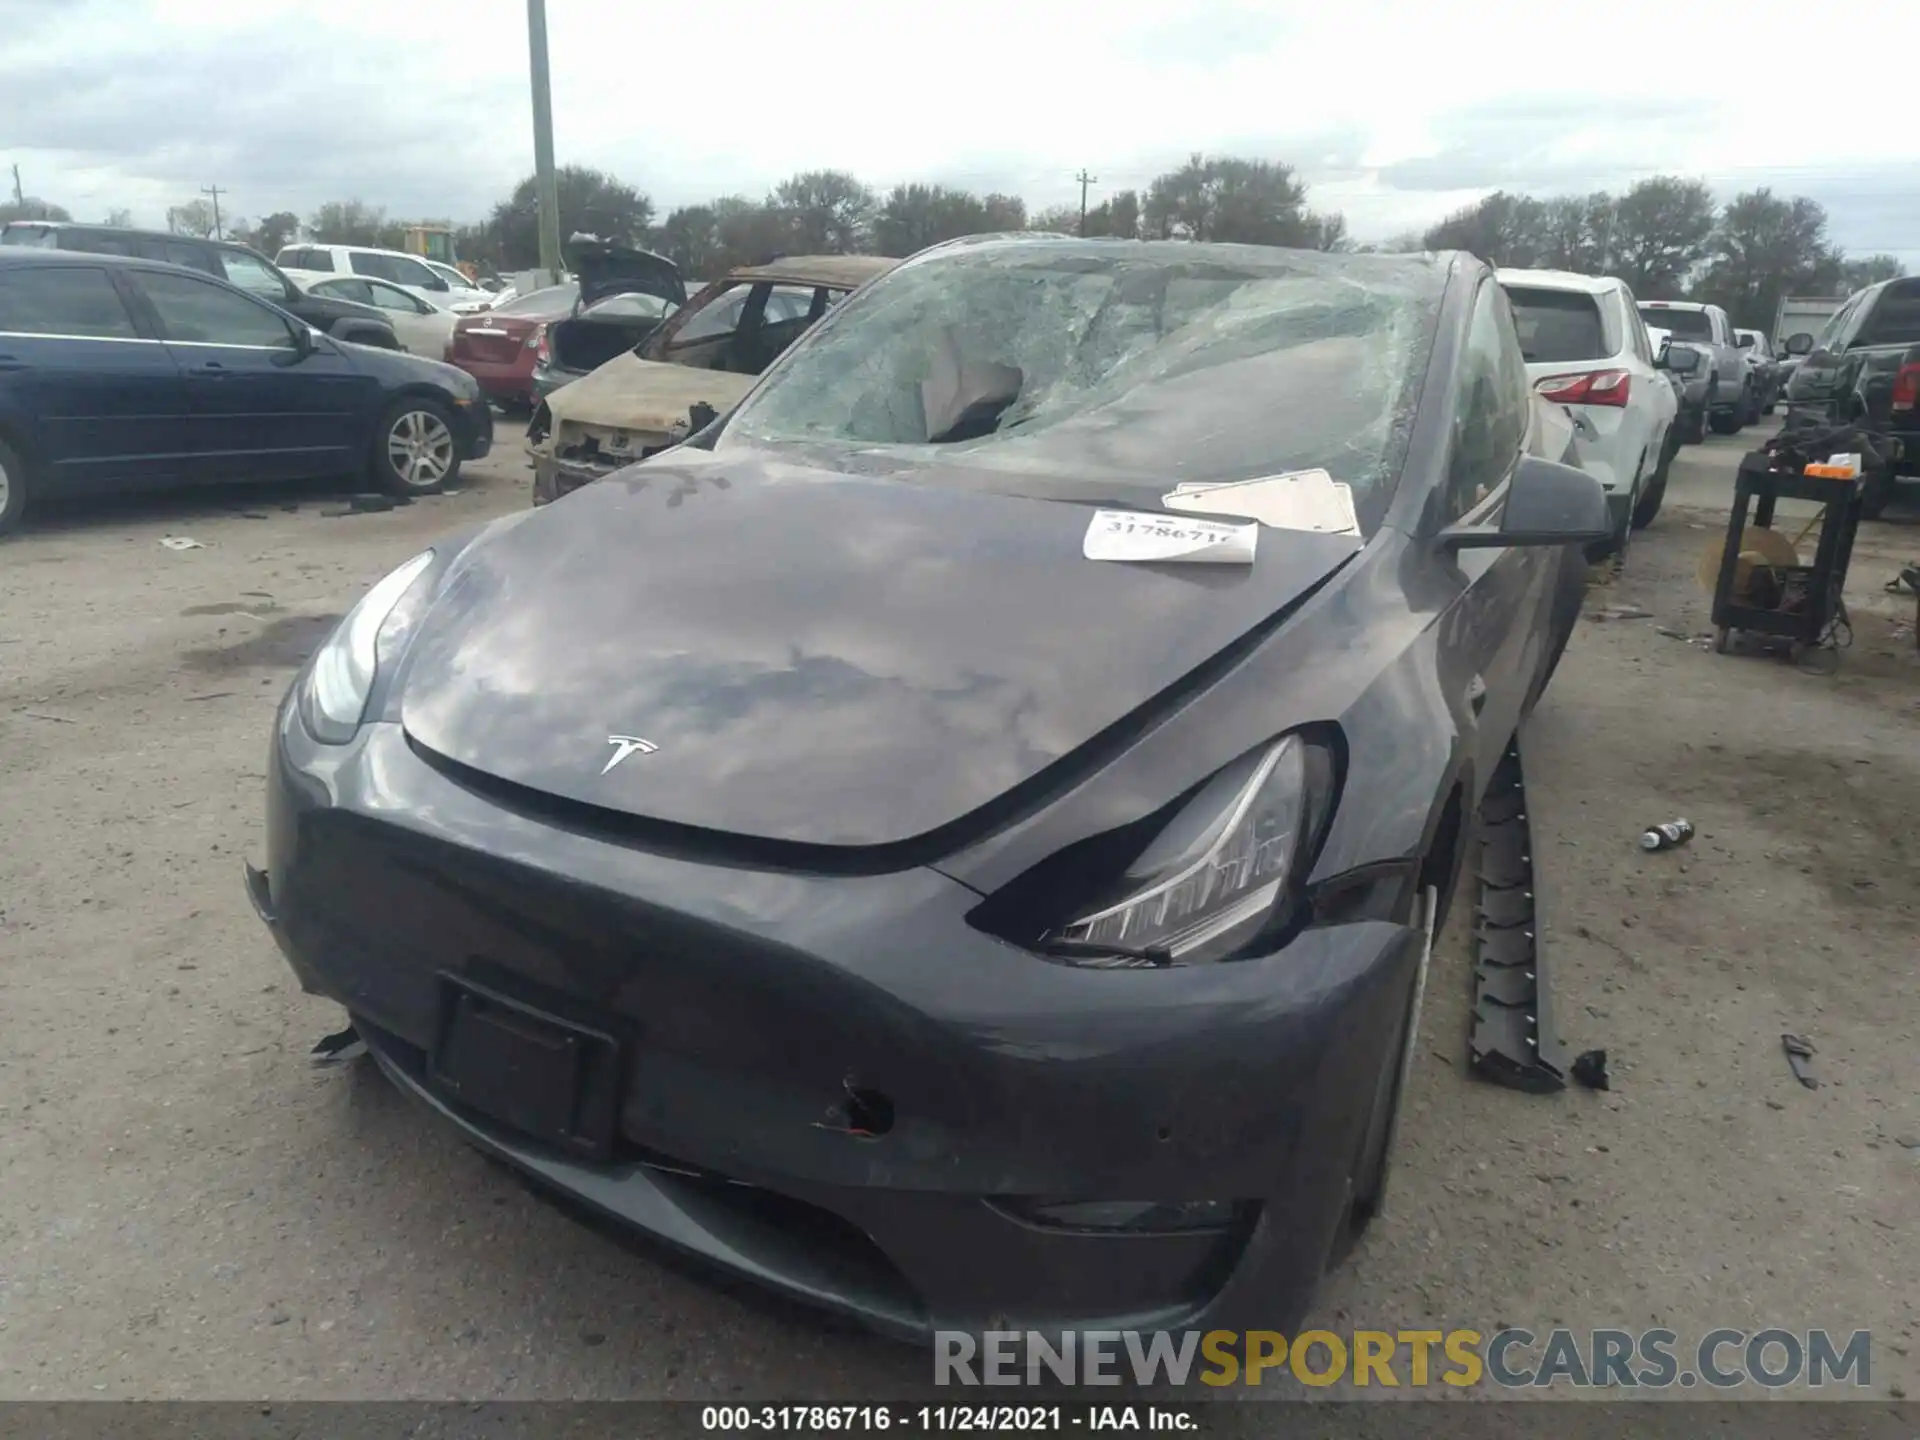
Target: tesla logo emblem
point(625, 745)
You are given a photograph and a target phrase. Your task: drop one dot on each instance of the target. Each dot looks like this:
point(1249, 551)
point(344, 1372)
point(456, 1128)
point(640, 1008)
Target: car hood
point(629, 393)
point(815, 658)
point(604, 269)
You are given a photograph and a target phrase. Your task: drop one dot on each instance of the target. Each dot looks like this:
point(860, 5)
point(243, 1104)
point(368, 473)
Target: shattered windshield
point(1118, 370)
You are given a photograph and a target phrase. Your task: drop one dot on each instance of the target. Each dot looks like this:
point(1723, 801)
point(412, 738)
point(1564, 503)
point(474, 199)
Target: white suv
point(439, 285)
point(1587, 348)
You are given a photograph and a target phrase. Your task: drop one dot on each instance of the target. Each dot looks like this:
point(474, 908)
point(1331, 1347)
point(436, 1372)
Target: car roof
point(34, 255)
point(1558, 280)
point(1673, 304)
point(838, 270)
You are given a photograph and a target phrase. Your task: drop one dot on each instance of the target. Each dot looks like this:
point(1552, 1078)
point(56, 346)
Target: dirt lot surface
point(189, 1209)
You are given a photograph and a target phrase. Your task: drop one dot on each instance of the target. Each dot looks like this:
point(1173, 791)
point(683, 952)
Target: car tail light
point(1906, 387)
point(537, 342)
point(1600, 387)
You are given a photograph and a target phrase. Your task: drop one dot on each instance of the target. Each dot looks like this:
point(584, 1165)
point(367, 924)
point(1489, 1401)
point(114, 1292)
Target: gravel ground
point(187, 1209)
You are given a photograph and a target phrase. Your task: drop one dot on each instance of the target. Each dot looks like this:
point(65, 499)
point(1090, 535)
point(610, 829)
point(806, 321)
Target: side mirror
point(1680, 359)
point(305, 341)
point(1746, 342)
point(1547, 504)
point(1800, 343)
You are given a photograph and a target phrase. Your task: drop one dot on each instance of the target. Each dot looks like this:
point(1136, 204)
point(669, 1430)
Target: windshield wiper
point(1153, 954)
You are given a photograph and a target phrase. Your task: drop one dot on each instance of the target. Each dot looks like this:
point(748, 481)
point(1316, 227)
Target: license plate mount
point(549, 1079)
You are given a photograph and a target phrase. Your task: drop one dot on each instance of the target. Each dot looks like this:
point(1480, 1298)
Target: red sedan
point(496, 346)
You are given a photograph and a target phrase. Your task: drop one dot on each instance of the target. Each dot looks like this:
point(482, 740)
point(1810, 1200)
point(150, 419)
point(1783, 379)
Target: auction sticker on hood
point(1129, 535)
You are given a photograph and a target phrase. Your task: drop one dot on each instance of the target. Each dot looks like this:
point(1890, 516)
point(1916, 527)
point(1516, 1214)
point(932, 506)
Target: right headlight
point(333, 694)
point(1220, 876)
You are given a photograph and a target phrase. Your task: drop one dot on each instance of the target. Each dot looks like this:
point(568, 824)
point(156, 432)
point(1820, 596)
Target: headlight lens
point(1214, 877)
point(333, 698)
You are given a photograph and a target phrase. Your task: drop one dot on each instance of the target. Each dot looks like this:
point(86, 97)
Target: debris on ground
point(339, 1047)
point(1590, 1069)
point(180, 542)
point(1669, 835)
point(1800, 1058)
point(1622, 612)
point(251, 514)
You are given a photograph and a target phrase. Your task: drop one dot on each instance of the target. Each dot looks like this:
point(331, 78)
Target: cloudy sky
point(1394, 112)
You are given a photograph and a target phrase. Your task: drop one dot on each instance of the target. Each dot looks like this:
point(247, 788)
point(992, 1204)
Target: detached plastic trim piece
point(1513, 1041)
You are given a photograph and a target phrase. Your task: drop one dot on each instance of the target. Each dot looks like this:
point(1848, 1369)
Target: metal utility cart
point(1800, 603)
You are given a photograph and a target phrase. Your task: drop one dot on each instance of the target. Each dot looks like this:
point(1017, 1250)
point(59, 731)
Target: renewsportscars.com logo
point(1510, 1358)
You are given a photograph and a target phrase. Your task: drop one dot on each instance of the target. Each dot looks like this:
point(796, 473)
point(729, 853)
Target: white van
point(439, 285)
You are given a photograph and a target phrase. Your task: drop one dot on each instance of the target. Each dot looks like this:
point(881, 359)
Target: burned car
point(959, 840)
point(640, 395)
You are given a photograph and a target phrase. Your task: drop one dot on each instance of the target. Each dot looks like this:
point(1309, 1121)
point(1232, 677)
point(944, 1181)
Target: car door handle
point(211, 368)
point(12, 362)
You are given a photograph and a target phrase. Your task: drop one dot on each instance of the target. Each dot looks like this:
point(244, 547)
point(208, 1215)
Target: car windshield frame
point(1147, 358)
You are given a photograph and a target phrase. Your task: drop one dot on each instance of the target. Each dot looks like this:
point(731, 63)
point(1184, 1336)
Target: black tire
point(1656, 487)
point(1729, 422)
point(416, 447)
point(13, 489)
point(1693, 427)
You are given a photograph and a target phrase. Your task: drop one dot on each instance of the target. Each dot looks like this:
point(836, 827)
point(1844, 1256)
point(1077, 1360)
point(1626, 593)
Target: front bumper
point(554, 477)
point(755, 1002)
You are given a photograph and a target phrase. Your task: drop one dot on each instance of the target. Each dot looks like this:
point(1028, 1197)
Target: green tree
point(690, 237)
point(916, 216)
point(1765, 247)
point(119, 218)
point(1254, 202)
point(1662, 231)
point(1576, 233)
point(1501, 228)
point(1119, 217)
point(32, 208)
point(592, 202)
point(829, 212)
point(750, 232)
point(276, 231)
point(1859, 273)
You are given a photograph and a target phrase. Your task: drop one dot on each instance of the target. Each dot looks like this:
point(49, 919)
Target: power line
point(18, 198)
point(1085, 180)
point(216, 192)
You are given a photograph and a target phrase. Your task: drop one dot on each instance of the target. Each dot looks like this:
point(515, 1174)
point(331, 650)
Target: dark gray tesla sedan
point(933, 842)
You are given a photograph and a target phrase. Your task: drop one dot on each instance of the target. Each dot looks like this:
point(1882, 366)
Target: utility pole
point(1085, 180)
point(215, 192)
point(546, 183)
point(18, 198)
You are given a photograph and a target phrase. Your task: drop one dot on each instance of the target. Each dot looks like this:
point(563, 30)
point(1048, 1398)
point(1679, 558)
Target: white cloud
point(1398, 111)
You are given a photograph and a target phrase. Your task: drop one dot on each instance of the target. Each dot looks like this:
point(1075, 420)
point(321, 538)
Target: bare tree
point(193, 218)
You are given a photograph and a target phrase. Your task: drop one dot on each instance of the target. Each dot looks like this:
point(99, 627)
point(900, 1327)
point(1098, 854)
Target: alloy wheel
point(420, 449)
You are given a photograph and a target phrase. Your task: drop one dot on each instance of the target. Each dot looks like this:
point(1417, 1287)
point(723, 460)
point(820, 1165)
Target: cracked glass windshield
point(1085, 371)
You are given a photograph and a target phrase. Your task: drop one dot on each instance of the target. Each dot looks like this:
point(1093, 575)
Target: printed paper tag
point(1299, 500)
point(1128, 535)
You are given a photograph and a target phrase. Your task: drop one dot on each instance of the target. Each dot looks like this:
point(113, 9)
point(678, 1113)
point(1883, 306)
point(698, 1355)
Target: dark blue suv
point(119, 374)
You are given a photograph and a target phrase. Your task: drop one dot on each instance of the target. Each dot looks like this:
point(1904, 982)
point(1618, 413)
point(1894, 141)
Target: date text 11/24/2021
point(937, 1419)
